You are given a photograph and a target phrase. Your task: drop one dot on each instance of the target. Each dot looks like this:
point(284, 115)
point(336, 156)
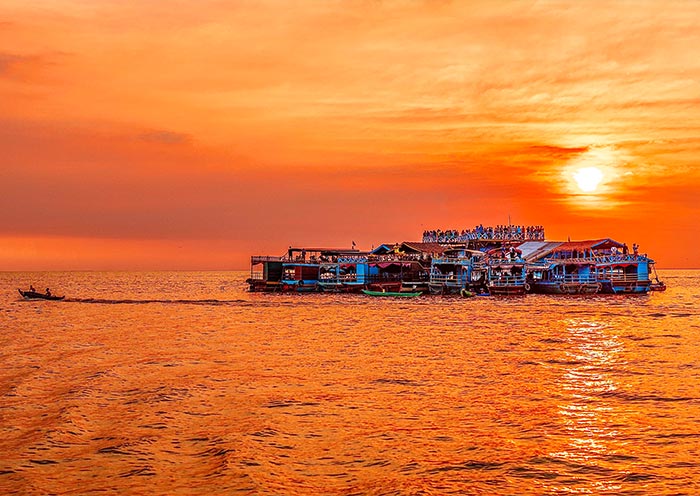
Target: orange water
point(183, 383)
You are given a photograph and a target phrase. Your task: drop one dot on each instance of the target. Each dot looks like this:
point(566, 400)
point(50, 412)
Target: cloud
point(165, 137)
point(249, 121)
point(15, 66)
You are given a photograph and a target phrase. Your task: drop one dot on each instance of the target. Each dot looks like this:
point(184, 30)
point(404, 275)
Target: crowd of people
point(519, 233)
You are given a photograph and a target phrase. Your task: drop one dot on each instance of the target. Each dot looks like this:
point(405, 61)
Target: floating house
point(458, 269)
point(553, 270)
point(298, 270)
point(507, 271)
point(402, 266)
point(501, 260)
point(587, 267)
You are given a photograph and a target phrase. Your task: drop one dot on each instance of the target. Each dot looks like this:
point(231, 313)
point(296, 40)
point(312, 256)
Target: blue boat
point(588, 267)
point(344, 273)
point(507, 271)
point(620, 274)
point(458, 270)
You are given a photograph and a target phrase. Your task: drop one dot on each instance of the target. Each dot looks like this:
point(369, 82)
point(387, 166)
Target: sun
point(588, 178)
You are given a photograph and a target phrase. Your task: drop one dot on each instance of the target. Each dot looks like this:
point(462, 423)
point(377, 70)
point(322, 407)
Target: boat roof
point(383, 248)
point(423, 247)
point(533, 250)
point(536, 250)
point(461, 249)
point(410, 246)
point(335, 251)
point(589, 244)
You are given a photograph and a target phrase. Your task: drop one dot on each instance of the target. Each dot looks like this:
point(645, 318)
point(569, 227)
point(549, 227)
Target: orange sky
point(190, 135)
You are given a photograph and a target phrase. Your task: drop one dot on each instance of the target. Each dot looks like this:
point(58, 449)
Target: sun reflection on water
point(588, 417)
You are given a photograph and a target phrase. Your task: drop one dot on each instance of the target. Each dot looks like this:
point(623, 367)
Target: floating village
point(500, 260)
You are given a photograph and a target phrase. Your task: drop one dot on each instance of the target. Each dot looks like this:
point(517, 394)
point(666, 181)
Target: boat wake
point(212, 302)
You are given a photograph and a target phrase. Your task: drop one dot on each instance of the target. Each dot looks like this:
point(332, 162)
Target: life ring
point(527, 286)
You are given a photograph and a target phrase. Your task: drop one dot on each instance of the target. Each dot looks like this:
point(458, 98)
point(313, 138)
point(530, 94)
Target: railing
point(620, 278)
point(574, 278)
point(257, 276)
point(446, 278)
point(454, 260)
point(507, 281)
point(406, 276)
point(506, 261)
point(262, 258)
point(396, 257)
point(461, 238)
point(601, 258)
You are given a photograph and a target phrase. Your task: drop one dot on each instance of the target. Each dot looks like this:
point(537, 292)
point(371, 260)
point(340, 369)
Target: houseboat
point(458, 269)
point(588, 267)
point(401, 266)
point(626, 273)
point(505, 260)
point(344, 273)
point(507, 277)
point(265, 274)
point(566, 268)
point(298, 270)
point(507, 271)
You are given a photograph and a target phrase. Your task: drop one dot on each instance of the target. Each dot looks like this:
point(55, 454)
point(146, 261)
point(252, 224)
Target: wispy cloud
point(164, 137)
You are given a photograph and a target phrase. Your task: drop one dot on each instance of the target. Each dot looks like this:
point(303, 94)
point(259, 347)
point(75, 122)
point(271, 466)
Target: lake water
point(184, 383)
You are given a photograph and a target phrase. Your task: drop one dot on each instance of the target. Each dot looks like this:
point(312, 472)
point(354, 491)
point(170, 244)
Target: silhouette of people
point(31, 288)
point(48, 292)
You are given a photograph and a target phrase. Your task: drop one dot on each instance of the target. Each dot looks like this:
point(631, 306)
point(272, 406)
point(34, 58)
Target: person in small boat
point(48, 292)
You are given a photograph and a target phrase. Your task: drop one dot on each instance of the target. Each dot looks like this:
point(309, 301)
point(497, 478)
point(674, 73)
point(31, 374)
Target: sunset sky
point(191, 135)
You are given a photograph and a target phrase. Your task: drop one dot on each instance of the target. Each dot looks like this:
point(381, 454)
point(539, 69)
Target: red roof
point(590, 244)
point(425, 247)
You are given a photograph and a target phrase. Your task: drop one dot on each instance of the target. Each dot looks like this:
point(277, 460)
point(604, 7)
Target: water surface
point(184, 383)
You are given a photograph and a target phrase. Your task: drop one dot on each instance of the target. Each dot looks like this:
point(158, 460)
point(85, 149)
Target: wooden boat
point(403, 294)
point(507, 277)
point(33, 295)
point(385, 286)
point(656, 285)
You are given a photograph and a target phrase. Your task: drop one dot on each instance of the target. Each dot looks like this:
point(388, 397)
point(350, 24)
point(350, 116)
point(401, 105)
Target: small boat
point(656, 285)
point(33, 295)
point(403, 294)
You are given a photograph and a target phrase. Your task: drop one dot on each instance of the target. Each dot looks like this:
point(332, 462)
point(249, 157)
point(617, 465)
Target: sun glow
point(588, 179)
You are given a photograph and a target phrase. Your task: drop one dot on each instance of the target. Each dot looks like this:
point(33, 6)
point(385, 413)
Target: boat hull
point(385, 286)
point(33, 295)
point(399, 294)
point(564, 288)
point(262, 286)
point(626, 287)
point(507, 290)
